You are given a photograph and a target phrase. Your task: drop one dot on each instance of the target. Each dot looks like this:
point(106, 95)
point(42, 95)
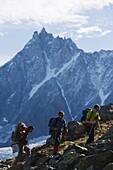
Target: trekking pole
point(91, 129)
point(89, 133)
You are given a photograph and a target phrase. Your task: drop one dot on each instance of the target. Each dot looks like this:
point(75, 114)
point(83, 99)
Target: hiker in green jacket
point(92, 121)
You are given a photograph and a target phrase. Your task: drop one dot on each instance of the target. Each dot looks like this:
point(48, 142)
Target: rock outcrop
point(72, 155)
point(107, 112)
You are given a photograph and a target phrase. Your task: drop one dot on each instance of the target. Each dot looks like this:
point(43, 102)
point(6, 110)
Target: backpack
point(50, 120)
point(84, 114)
point(16, 133)
point(50, 124)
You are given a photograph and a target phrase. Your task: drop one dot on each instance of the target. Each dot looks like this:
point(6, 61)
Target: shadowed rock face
point(48, 75)
point(106, 112)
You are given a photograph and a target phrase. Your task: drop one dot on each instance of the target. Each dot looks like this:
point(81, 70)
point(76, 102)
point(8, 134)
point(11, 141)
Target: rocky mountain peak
point(52, 74)
point(43, 31)
point(44, 39)
point(43, 34)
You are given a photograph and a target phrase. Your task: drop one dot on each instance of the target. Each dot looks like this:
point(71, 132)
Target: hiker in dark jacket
point(58, 126)
point(22, 143)
point(92, 121)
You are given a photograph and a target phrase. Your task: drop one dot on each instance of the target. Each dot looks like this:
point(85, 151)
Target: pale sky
point(88, 22)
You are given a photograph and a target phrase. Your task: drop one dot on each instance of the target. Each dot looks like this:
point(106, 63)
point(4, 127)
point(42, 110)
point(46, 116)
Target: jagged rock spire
point(35, 35)
point(43, 34)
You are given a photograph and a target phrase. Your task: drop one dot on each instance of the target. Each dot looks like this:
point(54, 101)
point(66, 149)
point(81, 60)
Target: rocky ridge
point(73, 155)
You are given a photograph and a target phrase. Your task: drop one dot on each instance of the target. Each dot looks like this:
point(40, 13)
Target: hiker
point(92, 121)
point(23, 141)
point(58, 126)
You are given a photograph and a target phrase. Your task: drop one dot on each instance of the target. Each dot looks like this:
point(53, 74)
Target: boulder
point(109, 132)
point(106, 112)
point(42, 161)
point(77, 148)
point(55, 160)
point(90, 168)
point(33, 160)
point(100, 160)
point(76, 130)
point(99, 146)
point(109, 166)
point(69, 160)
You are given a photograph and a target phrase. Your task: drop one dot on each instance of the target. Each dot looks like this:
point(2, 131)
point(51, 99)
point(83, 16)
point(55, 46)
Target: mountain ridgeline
point(48, 75)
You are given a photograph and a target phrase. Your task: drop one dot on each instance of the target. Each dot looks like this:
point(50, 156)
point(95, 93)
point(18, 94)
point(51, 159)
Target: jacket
point(58, 123)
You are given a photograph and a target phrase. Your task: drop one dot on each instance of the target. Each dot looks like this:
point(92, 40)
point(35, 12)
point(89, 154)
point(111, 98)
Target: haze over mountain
point(48, 75)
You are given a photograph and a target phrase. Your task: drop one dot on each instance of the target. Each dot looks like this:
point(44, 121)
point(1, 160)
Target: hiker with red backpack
point(57, 127)
point(92, 121)
point(21, 138)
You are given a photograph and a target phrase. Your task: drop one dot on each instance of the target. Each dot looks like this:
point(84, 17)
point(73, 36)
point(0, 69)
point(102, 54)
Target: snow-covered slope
point(48, 75)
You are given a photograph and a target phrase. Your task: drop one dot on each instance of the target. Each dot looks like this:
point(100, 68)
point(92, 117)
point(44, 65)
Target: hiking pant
point(57, 139)
point(22, 149)
point(90, 131)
